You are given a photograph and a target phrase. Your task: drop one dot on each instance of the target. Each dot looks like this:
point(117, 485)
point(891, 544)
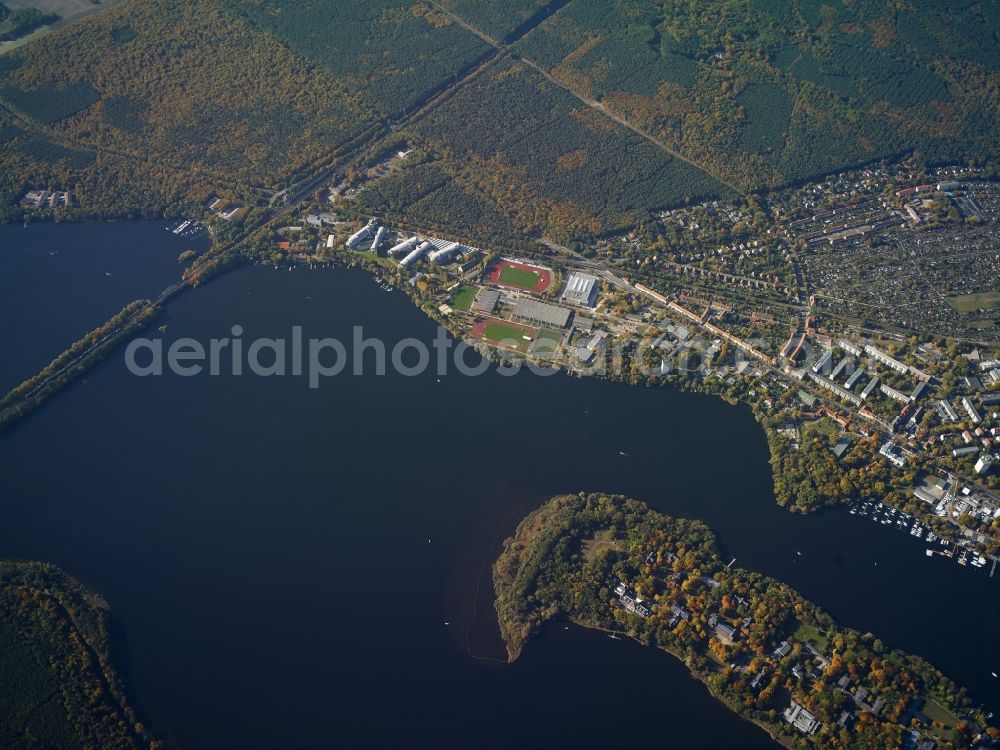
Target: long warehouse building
point(541, 313)
point(404, 247)
point(415, 255)
point(377, 242)
point(362, 234)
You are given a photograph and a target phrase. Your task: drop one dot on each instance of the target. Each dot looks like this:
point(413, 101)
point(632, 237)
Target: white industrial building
point(443, 252)
point(872, 385)
point(581, 289)
point(848, 347)
point(415, 255)
point(541, 313)
point(362, 234)
point(377, 242)
point(947, 411)
point(404, 247)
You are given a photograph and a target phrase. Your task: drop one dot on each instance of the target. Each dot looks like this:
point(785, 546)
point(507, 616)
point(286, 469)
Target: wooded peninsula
point(776, 659)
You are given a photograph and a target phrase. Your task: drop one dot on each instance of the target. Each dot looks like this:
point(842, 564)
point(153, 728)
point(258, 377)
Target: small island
point(776, 659)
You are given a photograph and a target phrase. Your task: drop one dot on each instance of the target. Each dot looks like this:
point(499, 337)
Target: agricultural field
point(735, 101)
point(792, 89)
point(51, 102)
point(16, 23)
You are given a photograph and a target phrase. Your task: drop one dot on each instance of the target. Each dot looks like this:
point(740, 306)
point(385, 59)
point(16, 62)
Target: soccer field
point(463, 297)
point(521, 277)
point(511, 336)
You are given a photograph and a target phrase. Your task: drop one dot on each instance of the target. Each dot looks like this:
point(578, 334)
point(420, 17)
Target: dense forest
point(776, 91)
point(15, 24)
point(566, 559)
point(58, 686)
point(498, 18)
point(149, 108)
point(551, 165)
point(392, 54)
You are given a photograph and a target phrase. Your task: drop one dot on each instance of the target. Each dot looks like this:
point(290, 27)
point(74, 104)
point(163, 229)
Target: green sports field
point(511, 336)
point(463, 297)
point(521, 277)
point(546, 344)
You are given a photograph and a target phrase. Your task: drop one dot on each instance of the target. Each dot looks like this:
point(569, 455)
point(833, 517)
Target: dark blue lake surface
point(265, 547)
point(60, 281)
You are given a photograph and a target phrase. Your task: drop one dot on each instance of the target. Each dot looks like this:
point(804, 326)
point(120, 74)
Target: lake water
point(61, 281)
point(283, 561)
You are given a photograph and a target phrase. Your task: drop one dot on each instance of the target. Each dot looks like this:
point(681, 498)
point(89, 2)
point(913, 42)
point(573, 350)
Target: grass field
point(520, 277)
point(811, 634)
point(546, 343)
point(966, 303)
point(824, 429)
point(463, 297)
point(602, 540)
point(510, 336)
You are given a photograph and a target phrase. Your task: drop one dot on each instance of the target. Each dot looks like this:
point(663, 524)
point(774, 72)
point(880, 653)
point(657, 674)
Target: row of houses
point(46, 199)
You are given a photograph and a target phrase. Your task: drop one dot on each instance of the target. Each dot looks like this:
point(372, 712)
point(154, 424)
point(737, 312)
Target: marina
point(899, 520)
point(187, 228)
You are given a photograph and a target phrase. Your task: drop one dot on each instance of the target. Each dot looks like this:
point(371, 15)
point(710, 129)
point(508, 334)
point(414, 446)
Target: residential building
point(892, 452)
point(885, 359)
point(971, 410)
point(984, 464)
point(801, 719)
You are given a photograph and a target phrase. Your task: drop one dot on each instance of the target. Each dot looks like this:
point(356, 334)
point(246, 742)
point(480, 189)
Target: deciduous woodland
point(149, 108)
point(58, 685)
point(612, 563)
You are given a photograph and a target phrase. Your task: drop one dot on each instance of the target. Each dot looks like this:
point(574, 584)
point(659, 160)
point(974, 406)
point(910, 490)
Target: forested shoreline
point(595, 559)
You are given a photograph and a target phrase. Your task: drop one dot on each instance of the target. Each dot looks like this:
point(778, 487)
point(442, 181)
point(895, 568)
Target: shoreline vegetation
point(58, 685)
point(75, 361)
point(611, 563)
